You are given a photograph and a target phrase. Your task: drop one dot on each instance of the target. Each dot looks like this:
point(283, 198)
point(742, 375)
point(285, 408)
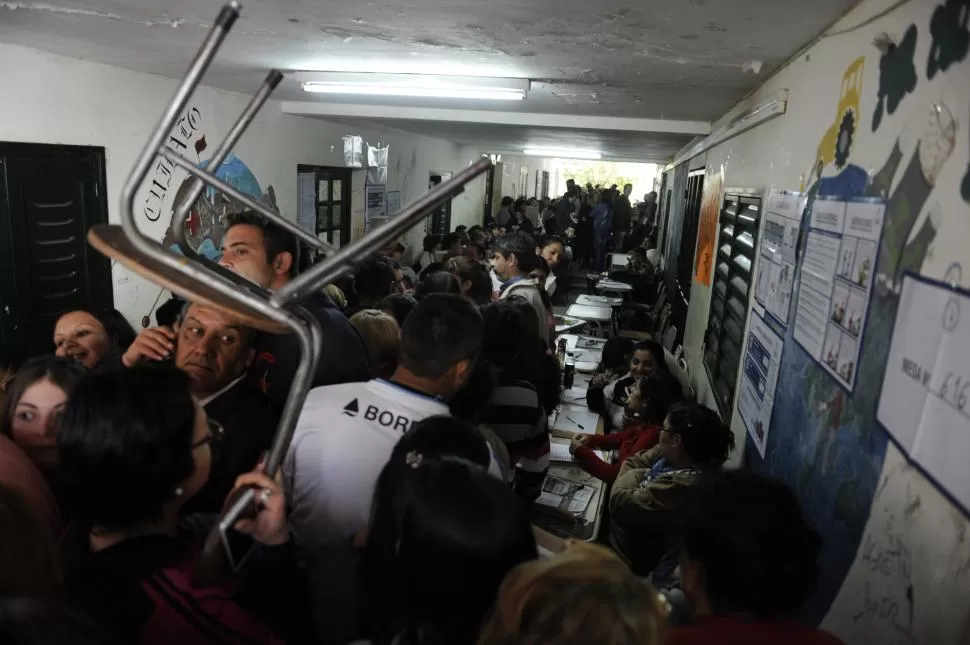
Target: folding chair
point(200, 280)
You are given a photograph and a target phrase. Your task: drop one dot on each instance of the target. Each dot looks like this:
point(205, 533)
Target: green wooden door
point(49, 197)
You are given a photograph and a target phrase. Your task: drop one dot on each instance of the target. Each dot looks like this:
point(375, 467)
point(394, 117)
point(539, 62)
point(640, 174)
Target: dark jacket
point(140, 592)
point(602, 217)
point(343, 358)
point(646, 515)
point(249, 425)
point(622, 214)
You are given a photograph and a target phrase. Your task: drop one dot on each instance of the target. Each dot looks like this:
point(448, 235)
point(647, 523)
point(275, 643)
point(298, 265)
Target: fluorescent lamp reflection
point(563, 153)
point(430, 92)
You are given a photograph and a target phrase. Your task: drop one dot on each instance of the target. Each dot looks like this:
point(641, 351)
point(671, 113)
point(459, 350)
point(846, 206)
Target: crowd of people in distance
point(403, 512)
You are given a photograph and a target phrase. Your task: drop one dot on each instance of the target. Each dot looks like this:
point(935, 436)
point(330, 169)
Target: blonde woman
point(583, 596)
point(382, 337)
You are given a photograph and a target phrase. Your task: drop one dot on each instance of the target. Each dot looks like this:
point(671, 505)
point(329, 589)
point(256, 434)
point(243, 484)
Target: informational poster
point(836, 282)
point(759, 377)
point(707, 229)
point(375, 205)
point(781, 223)
point(925, 400)
point(393, 201)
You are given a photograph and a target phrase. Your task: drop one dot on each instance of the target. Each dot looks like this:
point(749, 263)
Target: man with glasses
point(215, 351)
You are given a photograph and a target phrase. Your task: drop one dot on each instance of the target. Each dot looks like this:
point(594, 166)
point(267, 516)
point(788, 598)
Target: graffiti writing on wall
point(169, 186)
point(188, 130)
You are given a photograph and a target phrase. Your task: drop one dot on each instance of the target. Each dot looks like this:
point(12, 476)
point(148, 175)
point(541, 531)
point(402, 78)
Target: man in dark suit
point(215, 351)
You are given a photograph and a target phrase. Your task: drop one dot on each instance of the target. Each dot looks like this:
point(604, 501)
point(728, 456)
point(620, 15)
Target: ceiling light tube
point(434, 86)
point(563, 153)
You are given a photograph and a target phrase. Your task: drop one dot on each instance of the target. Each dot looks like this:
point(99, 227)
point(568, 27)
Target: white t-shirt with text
point(342, 441)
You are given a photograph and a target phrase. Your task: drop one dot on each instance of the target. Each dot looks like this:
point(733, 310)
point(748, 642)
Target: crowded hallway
point(413, 500)
point(506, 323)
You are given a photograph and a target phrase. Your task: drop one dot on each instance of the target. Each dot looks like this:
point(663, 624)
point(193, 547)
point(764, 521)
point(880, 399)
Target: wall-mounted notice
point(836, 282)
point(759, 377)
point(925, 398)
point(779, 243)
point(393, 202)
point(375, 205)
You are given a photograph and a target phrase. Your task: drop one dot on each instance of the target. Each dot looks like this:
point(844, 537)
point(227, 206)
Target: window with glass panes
point(739, 220)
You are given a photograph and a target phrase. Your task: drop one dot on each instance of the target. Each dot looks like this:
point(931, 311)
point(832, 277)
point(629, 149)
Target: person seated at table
point(96, 337)
point(382, 337)
point(614, 363)
point(646, 358)
point(650, 398)
point(135, 446)
point(650, 494)
point(748, 563)
point(582, 596)
point(515, 410)
point(215, 351)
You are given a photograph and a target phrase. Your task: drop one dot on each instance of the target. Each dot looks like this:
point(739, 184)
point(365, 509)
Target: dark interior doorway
point(331, 201)
point(49, 197)
point(441, 217)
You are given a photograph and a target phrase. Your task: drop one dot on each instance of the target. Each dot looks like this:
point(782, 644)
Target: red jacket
point(636, 438)
point(726, 630)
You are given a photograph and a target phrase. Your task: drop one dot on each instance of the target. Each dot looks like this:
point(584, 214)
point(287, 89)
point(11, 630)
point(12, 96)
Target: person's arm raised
point(156, 344)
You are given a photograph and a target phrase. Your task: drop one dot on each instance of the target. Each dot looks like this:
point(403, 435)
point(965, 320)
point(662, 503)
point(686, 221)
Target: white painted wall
point(780, 154)
point(53, 99)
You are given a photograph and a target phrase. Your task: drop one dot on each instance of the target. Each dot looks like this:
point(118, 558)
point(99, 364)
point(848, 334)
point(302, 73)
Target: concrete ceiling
point(684, 60)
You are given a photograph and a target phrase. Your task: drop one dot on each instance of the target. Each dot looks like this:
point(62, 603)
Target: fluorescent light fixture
point(563, 153)
point(774, 106)
point(454, 87)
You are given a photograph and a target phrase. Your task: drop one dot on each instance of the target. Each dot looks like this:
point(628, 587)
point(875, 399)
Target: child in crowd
point(650, 397)
point(649, 497)
point(583, 596)
point(750, 561)
point(553, 250)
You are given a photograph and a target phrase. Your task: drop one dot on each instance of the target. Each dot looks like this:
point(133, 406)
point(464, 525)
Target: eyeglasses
point(214, 434)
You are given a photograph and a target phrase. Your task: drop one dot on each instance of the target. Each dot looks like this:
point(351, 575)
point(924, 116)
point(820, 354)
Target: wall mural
point(836, 144)
point(205, 226)
point(897, 73)
point(206, 223)
point(832, 450)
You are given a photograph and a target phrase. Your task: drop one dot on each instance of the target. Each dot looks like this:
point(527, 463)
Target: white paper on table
point(836, 283)
point(925, 398)
point(759, 377)
point(560, 452)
